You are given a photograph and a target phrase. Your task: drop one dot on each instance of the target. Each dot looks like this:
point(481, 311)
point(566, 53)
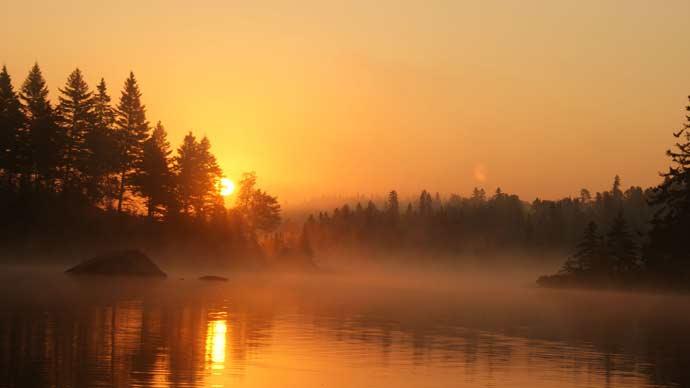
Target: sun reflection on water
point(215, 343)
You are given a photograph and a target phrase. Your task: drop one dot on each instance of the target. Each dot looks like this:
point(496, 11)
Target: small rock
point(213, 278)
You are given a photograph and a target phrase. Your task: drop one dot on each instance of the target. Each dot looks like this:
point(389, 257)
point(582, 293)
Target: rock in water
point(213, 278)
point(120, 263)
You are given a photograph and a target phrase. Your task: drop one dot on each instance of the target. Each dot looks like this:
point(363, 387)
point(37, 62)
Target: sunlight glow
point(215, 343)
point(227, 187)
point(479, 173)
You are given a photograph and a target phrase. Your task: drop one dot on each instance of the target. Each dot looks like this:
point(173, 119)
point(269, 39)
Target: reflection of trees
point(120, 344)
point(152, 343)
point(610, 335)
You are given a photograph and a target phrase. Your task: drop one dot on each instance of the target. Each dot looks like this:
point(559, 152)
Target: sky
point(340, 98)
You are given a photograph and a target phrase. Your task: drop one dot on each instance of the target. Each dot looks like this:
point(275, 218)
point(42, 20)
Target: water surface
point(407, 330)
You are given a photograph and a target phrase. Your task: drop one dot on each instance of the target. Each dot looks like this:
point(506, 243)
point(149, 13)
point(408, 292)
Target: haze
point(339, 98)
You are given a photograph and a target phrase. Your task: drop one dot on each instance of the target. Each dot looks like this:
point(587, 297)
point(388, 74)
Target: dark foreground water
point(334, 331)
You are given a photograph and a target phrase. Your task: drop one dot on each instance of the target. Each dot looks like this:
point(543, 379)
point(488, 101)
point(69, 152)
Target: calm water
point(334, 331)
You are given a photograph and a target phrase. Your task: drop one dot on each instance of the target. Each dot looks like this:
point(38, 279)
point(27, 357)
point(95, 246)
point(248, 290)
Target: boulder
point(120, 263)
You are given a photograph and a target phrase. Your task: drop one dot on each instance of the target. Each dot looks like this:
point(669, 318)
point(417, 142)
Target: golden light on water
point(227, 187)
point(215, 343)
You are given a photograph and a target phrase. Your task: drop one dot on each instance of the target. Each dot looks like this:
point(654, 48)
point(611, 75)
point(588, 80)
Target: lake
point(406, 329)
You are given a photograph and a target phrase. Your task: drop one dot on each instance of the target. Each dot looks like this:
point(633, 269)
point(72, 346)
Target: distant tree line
point(83, 168)
point(478, 224)
point(631, 237)
point(662, 259)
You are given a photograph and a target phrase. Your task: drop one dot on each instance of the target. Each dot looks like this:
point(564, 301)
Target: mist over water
point(383, 327)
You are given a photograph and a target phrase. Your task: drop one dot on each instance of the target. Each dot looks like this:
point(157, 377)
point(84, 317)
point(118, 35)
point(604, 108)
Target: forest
point(85, 174)
point(479, 224)
point(621, 237)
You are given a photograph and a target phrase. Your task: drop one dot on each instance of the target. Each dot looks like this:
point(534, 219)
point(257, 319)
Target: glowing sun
point(226, 187)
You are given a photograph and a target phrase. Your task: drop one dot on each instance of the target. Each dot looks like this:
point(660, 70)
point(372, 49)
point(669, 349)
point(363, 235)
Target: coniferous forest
point(85, 172)
point(621, 237)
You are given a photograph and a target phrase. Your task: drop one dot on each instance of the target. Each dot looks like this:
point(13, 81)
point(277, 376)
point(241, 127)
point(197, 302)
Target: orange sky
point(346, 97)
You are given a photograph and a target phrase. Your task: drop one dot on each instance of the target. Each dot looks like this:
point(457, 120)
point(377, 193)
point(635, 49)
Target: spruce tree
point(621, 248)
point(668, 253)
point(616, 191)
point(186, 172)
point(153, 180)
point(589, 257)
point(75, 116)
point(11, 126)
point(425, 203)
point(131, 130)
point(101, 150)
point(393, 207)
point(210, 176)
point(42, 149)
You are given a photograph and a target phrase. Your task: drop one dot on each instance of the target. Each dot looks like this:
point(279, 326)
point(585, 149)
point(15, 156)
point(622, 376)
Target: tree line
point(631, 236)
point(662, 258)
point(477, 224)
point(84, 158)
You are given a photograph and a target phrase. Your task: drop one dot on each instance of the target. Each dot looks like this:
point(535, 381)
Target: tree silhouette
point(616, 188)
point(63, 169)
point(101, 146)
point(260, 210)
point(589, 255)
point(154, 179)
point(425, 204)
point(197, 175)
point(42, 154)
point(393, 207)
point(264, 213)
point(185, 167)
point(131, 130)
point(667, 254)
point(11, 129)
point(210, 177)
point(75, 116)
point(621, 248)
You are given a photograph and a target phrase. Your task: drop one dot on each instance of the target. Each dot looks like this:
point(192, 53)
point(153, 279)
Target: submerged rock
point(120, 263)
point(213, 278)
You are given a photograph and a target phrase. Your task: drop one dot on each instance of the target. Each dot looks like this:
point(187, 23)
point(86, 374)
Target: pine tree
point(11, 125)
point(101, 150)
point(478, 196)
point(210, 177)
point(616, 188)
point(393, 207)
point(425, 203)
point(131, 130)
point(186, 172)
point(246, 190)
point(585, 196)
point(42, 149)
point(75, 116)
point(261, 211)
point(621, 248)
point(264, 212)
point(589, 257)
point(153, 180)
point(668, 253)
